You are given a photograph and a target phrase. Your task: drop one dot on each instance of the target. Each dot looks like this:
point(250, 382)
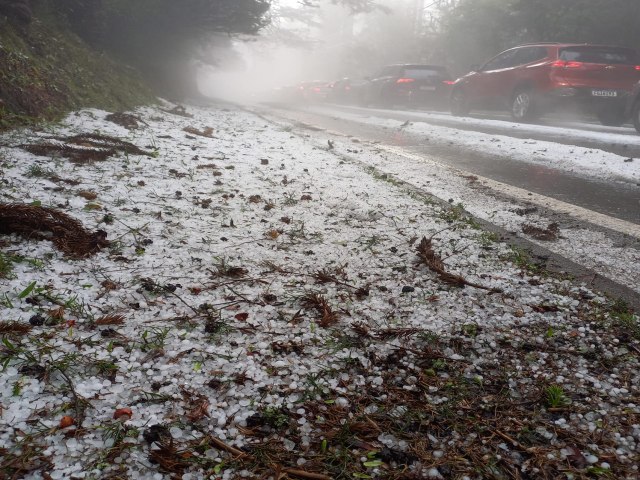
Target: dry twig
point(11, 327)
point(432, 260)
point(43, 223)
point(321, 305)
point(110, 320)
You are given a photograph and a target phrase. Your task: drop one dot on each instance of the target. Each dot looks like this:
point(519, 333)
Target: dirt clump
point(206, 132)
point(178, 110)
point(549, 234)
point(126, 120)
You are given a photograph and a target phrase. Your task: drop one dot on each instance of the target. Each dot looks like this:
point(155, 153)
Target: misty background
point(329, 40)
point(237, 48)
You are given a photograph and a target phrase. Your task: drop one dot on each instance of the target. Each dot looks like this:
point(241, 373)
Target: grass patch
point(624, 318)
point(488, 239)
point(523, 260)
point(6, 264)
point(51, 71)
point(457, 214)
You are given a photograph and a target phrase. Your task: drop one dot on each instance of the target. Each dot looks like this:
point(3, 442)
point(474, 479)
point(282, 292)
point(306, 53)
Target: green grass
point(458, 215)
point(50, 71)
point(624, 317)
point(487, 239)
point(6, 265)
point(523, 260)
point(555, 397)
point(7, 262)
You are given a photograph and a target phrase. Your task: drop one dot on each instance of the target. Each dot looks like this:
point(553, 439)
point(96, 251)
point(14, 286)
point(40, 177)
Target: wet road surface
point(617, 199)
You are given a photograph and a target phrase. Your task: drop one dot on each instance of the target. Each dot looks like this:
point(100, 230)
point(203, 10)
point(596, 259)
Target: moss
point(47, 71)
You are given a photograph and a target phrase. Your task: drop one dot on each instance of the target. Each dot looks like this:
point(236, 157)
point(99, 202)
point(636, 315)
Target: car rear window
point(425, 72)
point(605, 55)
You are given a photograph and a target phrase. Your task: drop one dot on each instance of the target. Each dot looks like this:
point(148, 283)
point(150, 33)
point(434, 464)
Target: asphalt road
point(617, 199)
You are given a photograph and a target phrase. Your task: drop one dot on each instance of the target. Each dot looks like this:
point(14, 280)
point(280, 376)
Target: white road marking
point(579, 213)
point(519, 194)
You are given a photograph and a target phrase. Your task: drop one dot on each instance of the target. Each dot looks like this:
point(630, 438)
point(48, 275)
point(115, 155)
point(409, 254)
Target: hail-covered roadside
point(269, 309)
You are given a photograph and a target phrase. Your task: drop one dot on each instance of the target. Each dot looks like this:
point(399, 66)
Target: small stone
point(408, 289)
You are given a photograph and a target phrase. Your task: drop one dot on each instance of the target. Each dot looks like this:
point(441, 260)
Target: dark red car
point(633, 107)
point(408, 85)
point(532, 79)
point(313, 91)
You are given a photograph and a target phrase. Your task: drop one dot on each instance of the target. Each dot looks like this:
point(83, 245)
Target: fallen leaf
point(87, 195)
point(272, 234)
point(121, 413)
point(66, 421)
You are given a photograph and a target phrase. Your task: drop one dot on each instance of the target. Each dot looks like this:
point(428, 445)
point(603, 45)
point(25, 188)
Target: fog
point(316, 44)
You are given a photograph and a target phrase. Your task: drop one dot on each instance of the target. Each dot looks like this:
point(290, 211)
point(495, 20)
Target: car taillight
point(405, 80)
point(563, 64)
point(637, 67)
point(316, 89)
point(448, 82)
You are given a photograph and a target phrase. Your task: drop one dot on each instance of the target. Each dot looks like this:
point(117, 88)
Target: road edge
point(549, 260)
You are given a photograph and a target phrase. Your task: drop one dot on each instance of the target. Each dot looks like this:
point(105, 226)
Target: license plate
point(427, 88)
point(604, 93)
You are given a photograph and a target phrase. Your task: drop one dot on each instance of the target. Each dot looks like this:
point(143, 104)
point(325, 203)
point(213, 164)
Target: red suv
point(633, 107)
point(532, 79)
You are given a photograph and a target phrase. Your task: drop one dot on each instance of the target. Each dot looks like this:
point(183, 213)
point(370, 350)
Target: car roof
point(568, 45)
point(414, 65)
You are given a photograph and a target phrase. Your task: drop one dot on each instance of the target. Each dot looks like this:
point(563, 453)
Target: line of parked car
point(528, 81)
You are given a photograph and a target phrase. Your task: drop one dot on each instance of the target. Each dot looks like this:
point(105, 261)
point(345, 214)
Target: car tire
point(384, 102)
point(363, 99)
point(523, 105)
point(459, 103)
point(611, 117)
point(636, 116)
point(385, 98)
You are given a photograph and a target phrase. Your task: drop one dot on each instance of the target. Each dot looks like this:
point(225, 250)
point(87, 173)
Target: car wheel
point(611, 117)
point(363, 99)
point(636, 116)
point(384, 102)
point(385, 98)
point(523, 108)
point(459, 103)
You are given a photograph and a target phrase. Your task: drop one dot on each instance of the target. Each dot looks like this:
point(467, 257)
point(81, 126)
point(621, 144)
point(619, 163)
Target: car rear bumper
point(588, 97)
point(422, 96)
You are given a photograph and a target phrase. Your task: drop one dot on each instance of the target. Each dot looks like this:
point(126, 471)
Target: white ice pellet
point(434, 473)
